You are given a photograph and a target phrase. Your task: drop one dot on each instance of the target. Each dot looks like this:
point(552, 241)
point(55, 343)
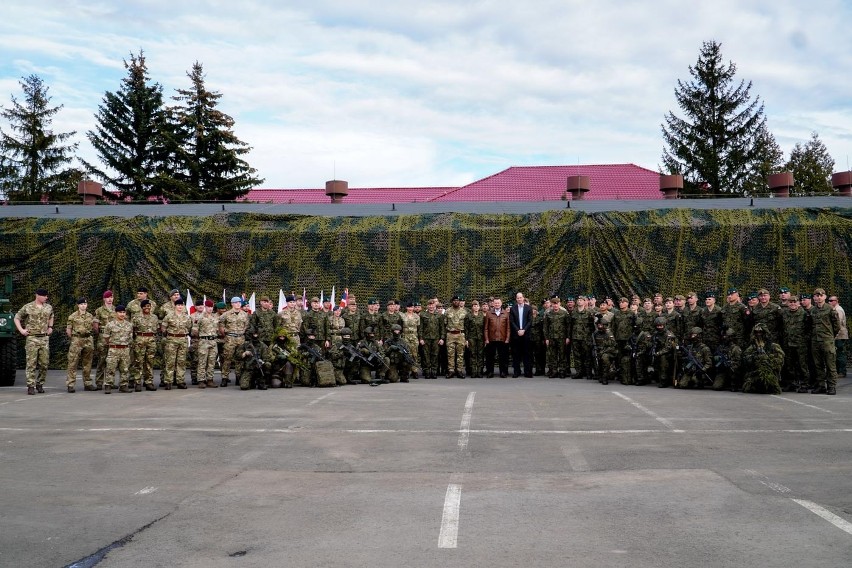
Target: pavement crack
point(95, 559)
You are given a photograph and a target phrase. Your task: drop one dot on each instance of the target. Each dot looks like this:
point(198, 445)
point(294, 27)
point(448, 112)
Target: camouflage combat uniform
point(176, 328)
point(205, 331)
point(104, 314)
point(118, 335)
point(81, 348)
point(36, 320)
point(145, 329)
point(233, 325)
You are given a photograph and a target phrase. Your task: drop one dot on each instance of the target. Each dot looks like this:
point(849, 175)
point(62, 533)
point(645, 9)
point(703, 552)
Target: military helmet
point(759, 328)
point(659, 320)
point(310, 331)
point(368, 330)
point(729, 333)
point(281, 332)
point(696, 331)
point(345, 331)
point(396, 327)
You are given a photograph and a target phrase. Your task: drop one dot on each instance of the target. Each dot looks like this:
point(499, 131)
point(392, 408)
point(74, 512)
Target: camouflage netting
point(415, 257)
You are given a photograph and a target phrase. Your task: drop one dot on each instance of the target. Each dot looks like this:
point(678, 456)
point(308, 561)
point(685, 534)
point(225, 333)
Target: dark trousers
point(521, 354)
point(502, 351)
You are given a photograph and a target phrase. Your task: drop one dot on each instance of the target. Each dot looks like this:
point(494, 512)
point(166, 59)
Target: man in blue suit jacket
point(520, 322)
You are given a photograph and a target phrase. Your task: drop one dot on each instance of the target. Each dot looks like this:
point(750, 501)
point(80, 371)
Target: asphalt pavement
point(475, 472)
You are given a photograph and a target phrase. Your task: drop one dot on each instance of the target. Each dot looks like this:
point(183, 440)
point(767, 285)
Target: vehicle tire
point(8, 361)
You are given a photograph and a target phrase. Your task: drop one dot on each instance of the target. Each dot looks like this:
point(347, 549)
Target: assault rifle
point(692, 363)
point(633, 343)
point(375, 356)
point(282, 354)
point(406, 354)
point(596, 365)
point(722, 360)
point(354, 353)
point(312, 352)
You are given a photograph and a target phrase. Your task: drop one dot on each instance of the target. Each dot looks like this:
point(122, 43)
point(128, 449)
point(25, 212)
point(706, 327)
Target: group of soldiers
point(754, 346)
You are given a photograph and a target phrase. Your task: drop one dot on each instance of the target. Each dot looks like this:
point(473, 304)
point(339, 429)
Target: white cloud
point(441, 93)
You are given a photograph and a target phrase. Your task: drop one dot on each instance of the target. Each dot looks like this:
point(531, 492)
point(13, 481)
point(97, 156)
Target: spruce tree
point(208, 154)
point(129, 135)
point(812, 167)
point(718, 144)
point(35, 160)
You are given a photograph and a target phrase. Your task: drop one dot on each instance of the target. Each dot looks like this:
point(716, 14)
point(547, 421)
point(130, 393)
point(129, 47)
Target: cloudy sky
point(421, 93)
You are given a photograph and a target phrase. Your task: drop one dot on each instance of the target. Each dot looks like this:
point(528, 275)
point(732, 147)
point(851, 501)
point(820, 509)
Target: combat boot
point(107, 389)
point(138, 386)
point(224, 383)
point(202, 384)
point(71, 388)
point(212, 385)
point(181, 385)
point(168, 386)
point(90, 388)
point(831, 390)
point(40, 388)
point(30, 390)
point(124, 388)
point(150, 387)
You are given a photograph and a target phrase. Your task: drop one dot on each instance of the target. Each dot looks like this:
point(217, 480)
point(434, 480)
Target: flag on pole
point(332, 297)
point(224, 297)
point(190, 305)
point(344, 298)
point(251, 303)
point(304, 300)
point(282, 300)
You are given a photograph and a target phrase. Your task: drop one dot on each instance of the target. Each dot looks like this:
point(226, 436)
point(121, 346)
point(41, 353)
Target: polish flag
point(344, 298)
point(190, 305)
point(282, 300)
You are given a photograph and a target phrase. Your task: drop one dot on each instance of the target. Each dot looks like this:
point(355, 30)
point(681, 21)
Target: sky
point(439, 93)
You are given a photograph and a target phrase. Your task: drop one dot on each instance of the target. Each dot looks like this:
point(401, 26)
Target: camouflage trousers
point(455, 353)
point(174, 355)
point(38, 357)
point(824, 354)
point(476, 349)
point(232, 355)
point(556, 358)
point(80, 352)
point(413, 346)
point(430, 357)
point(795, 371)
point(582, 356)
point(118, 358)
point(142, 360)
point(206, 353)
point(101, 350)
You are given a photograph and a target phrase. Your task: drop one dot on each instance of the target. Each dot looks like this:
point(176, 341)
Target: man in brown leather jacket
point(497, 339)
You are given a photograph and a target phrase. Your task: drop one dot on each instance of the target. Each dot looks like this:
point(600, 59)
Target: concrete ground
point(499, 472)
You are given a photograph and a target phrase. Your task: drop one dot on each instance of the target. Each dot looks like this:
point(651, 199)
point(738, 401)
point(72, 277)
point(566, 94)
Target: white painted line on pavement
point(802, 403)
point(145, 491)
point(575, 458)
point(665, 422)
point(448, 537)
point(464, 434)
point(39, 396)
point(316, 400)
point(838, 522)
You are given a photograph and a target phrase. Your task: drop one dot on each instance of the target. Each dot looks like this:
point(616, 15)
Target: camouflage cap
point(763, 291)
point(680, 297)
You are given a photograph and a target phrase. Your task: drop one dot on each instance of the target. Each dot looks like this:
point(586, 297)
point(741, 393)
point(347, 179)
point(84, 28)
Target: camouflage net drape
point(416, 257)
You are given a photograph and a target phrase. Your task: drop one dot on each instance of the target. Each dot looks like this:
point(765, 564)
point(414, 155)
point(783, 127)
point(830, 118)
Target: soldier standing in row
point(456, 339)
point(769, 314)
point(411, 334)
point(662, 354)
point(711, 322)
point(795, 334)
point(176, 327)
point(622, 329)
point(81, 347)
point(474, 340)
point(352, 318)
point(233, 325)
point(35, 322)
point(317, 321)
point(146, 328)
point(824, 329)
point(733, 316)
point(389, 318)
point(103, 315)
point(581, 327)
point(371, 319)
point(118, 335)
point(432, 334)
point(605, 349)
point(556, 328)
point(205, 330)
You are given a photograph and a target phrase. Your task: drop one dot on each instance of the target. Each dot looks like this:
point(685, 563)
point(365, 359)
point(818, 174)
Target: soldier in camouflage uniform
point(81, 347)
point(390, 317)
point(252, 367)
point(175, 328)
point(146, 329)
point(696, 369)
point(232, 325)
point(370, 348)
point(192, 351)
point(605, 348)
point(769, 314)
point(432, 332)
point(692, 313)
point(346, 368)
point(35, 322)
point(316, 320)
point(795, 338)
point(118, 335)
point(411, 334)
point(581, 332)
point(282, 357)
point(662, 353)
point(824, 328)
point(205, 330)
point(733, 316)
point(711, 322)
point(762, 362)
point(400, 367)
point(727, 359)
point(352, 318)
point(262, 322)
point(474, 334)
point(622, 329)
point(539, 350)
point(556, 328)
point(456, 339)
point(336, 323)
point(674, 321)
point(371, 319)
point(162, 312)
point(103, 315)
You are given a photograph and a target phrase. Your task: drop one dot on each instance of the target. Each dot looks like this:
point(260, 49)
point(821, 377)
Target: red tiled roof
point(356, 195)
point(544, 183)
point(518, 183)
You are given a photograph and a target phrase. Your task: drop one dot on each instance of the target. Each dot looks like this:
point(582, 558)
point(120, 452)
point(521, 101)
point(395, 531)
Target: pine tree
point(718, 143)
point(34, 160)
point(769, 160)
point(129, 136)
point(208, 154)
point(812, 166)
